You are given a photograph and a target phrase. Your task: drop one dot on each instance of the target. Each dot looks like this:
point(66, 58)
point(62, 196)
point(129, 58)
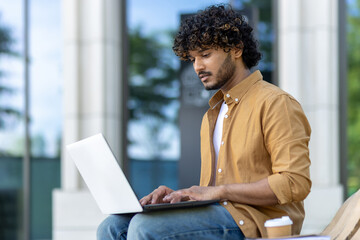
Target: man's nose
point(198, 65)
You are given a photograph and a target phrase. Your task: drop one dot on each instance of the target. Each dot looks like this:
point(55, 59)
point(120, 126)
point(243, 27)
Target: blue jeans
point(210, 222)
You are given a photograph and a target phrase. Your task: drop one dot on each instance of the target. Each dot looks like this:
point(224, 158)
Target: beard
point(225, 73)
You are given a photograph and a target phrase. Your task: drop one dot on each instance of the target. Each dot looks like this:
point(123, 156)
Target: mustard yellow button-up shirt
point(265, 135)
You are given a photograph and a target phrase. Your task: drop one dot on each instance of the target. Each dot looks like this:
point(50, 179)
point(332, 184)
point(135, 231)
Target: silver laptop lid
point(103, 176)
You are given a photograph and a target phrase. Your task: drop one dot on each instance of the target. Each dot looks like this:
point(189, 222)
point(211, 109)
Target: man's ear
point(238, 52)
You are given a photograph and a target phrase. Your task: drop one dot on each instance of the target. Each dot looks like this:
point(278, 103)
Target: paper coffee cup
point(278, 227)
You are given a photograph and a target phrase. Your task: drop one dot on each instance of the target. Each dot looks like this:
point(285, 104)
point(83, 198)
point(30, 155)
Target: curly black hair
point(217, 27)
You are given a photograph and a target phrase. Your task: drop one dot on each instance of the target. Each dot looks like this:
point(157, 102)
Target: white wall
point(308, 69)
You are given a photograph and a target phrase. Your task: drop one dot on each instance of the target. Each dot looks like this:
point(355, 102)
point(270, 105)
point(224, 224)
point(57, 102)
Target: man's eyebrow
point(199, 51)
point(203, 50)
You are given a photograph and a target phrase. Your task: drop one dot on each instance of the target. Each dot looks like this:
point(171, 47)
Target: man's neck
point(238, 77)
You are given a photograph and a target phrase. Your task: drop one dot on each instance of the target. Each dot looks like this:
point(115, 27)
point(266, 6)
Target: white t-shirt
point(217, 138)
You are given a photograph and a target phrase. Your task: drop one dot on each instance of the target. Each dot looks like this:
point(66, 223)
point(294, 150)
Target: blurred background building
point(73, 68)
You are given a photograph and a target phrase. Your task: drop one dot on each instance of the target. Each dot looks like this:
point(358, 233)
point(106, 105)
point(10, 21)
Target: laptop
point(106, 181)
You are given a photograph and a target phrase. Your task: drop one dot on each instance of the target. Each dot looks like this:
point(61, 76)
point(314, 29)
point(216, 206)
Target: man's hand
point(156, 196)
point(194, 193)
point(256, 193)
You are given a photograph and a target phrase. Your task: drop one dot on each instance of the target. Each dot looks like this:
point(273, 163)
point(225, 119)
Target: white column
point(308, 69)
point(92, 104)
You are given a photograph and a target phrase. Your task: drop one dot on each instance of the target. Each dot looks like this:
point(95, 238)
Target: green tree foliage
point(153, 87)
point(6, 42)
point(353, 95)
point(152, 76)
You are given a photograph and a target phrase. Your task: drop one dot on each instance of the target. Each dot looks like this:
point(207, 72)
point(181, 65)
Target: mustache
point(204, 73)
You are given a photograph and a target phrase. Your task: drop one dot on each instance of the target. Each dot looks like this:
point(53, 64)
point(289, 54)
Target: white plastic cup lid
point(278, 222)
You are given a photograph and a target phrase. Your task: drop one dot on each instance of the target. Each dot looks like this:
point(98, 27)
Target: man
point(254, 144)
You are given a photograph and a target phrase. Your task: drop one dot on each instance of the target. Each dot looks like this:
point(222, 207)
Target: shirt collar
point(237, 92)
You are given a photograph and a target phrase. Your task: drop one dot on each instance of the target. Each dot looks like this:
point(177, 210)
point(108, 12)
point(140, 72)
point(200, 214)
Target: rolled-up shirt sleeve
point(287, 134)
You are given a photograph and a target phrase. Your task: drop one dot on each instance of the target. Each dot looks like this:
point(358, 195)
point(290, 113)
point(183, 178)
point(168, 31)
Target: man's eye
point(206, 55)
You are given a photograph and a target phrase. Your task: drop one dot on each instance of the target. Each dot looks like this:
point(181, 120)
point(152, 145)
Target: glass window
point(154, 86)
point(45, 115)
point(353, 127)
point(45, 110)
point(11, 119)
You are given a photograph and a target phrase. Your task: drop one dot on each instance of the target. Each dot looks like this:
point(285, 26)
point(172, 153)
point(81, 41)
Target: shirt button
point(241, 222)
point(219, 170)
point(236, 99)
point(228, 95)
point(225, 203)
point(226, 116)
point(222, 142)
